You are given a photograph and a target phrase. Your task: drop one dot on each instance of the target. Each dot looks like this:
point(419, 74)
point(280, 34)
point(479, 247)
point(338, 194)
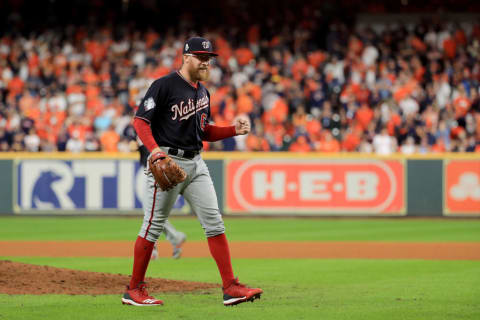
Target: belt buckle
point(173, 151)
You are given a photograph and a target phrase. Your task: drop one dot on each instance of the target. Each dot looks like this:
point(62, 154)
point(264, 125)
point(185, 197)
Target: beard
point(200, 74)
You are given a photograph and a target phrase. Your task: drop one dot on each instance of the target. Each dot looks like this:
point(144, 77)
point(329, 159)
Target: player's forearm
point(215, 133)
point(144, 132)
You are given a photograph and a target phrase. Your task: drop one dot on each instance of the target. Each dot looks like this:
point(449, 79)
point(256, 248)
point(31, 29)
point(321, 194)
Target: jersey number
point(203, 121)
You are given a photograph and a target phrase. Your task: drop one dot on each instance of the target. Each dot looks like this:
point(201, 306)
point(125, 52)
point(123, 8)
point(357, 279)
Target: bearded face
point(199, 67)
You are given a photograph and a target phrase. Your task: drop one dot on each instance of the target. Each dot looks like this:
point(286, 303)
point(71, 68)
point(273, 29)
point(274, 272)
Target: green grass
point(294, 289)
point(282, 229)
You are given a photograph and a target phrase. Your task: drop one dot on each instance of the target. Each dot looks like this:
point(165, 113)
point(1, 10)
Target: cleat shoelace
point(143, 291)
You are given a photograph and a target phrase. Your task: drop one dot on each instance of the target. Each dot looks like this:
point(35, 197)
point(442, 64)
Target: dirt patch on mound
point(21, 278)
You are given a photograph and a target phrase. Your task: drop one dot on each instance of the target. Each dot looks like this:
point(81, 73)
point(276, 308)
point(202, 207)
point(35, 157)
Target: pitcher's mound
point(22, 278)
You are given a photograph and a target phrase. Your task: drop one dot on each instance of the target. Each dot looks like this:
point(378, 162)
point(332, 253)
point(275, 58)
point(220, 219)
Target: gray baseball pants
point(197, 189)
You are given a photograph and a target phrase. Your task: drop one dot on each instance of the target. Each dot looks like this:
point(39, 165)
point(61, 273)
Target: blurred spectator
point(74, 143)
point(109, 140)
point(300, 145)
point(383, 143)
point(409, 146)
point(32, 141)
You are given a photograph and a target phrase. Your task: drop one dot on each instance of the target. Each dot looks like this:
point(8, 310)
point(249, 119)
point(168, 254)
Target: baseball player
point(175, 237)
point(172, 121)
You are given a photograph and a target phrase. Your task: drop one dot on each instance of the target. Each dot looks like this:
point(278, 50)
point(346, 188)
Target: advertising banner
point(315, 186)
point(104, 186)
point(462, 187)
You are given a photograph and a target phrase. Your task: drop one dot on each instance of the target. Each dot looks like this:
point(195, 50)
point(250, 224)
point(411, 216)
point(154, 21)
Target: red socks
point(218, 246)
point(221, 253)
point(142, 253)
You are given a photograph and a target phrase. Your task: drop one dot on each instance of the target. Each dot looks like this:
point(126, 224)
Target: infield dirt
point(21, 278)
point(257, 250)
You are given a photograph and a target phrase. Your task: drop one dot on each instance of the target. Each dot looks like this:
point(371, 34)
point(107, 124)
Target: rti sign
point(58, 185)
point(276, 186)
point(462, 187)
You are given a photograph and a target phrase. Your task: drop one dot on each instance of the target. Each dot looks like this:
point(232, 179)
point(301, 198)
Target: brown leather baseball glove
point(166, 172)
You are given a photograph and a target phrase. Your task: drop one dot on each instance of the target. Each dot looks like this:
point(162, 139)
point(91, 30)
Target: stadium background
point(396, 80)
point(357, 109)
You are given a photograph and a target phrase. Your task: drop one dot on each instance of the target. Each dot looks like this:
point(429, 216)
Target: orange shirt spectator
point(438, 147)
point(316, 58)
point(27, 102)
point(300, 145)
point(216, 98)
point(244, 104)
point(299, 118)
point(351, 142)
point(151, 37)
point(418, 44)
point(329, 145)
point(276, 132)
point(364, 116)
point(92, 92)
point(456, 132)
point(223, 49)
point(33, 60)
point(355, 45)
point(244, 55)
point(109, 140)
point(394, 122)
point(255, 91)
point(462, 105)
point(160, 71)
point(15, 86)
point(79, 130)
point(280, 110)
point(450, 47)
point(74, 88)
point(256, 143)
point(314, 128)
point(299, 68)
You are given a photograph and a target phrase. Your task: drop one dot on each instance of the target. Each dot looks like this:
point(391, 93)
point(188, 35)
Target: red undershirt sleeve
point(144, 132)
point(215, 133)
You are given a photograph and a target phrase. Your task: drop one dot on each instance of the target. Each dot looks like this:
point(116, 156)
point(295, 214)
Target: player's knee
point(152, 237)
point(152, 229)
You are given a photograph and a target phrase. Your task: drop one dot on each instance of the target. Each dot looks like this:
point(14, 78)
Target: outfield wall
point(250, 183)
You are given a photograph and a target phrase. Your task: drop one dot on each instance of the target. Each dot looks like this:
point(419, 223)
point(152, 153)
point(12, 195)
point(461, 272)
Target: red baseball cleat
point(237, 293)
point(139, 297)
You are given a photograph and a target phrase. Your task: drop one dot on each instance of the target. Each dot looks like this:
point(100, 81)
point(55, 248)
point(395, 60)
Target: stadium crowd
point(396, 90)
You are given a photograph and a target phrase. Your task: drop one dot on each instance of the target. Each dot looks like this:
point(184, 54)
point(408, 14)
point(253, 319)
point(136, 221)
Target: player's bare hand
point(156, 149)
point(242, 126)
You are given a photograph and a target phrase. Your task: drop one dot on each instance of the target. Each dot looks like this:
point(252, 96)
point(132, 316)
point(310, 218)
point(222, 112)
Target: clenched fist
point(242, 126)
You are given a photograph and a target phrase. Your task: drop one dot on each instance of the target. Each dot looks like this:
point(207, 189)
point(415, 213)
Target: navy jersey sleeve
point(154, 98)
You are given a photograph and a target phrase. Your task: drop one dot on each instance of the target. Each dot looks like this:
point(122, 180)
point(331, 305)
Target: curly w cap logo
point(468, 187)
point(206, 44)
